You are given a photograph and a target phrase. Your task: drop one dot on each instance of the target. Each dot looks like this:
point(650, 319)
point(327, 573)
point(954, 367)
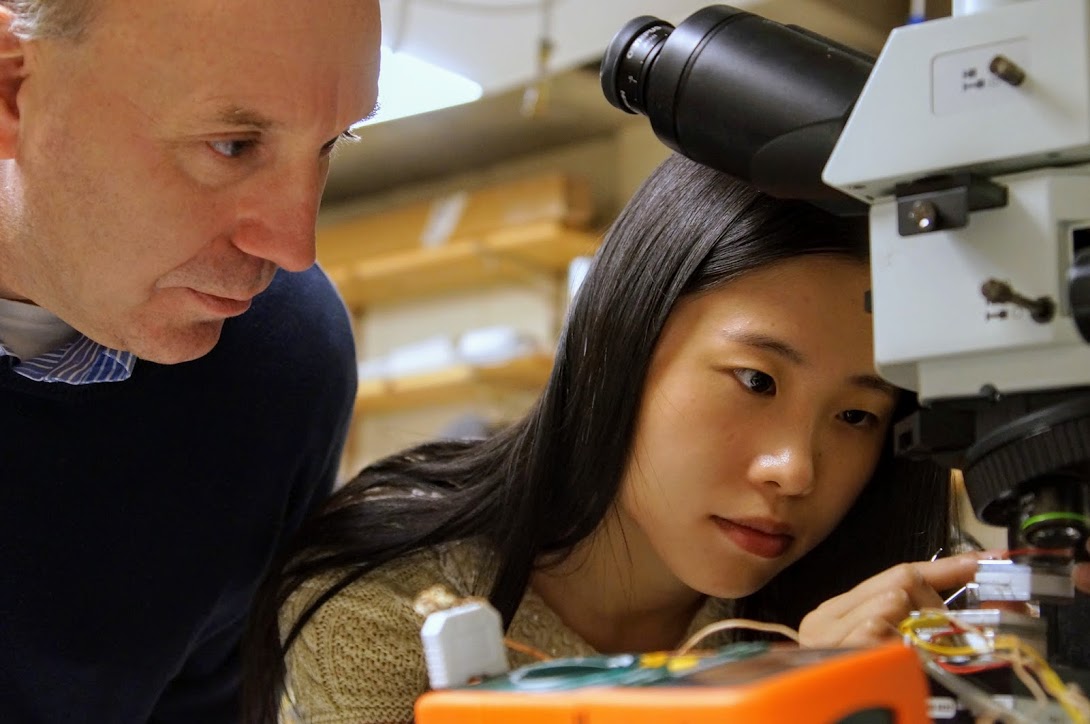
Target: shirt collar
point(79, 362)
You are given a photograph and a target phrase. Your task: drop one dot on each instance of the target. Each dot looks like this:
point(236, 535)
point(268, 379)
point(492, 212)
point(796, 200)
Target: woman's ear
point(12, 74)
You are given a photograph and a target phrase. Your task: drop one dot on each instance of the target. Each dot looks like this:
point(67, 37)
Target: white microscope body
point(936, 105)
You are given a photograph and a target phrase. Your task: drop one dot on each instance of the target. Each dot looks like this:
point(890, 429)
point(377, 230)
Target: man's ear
point(12, 73)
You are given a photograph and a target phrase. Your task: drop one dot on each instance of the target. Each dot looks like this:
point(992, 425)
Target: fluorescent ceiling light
point(408, 86)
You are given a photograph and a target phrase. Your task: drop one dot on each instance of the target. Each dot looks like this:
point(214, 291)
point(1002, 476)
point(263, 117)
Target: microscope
point(967, 144)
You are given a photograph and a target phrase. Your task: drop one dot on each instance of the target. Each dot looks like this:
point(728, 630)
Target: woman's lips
point(761, 543)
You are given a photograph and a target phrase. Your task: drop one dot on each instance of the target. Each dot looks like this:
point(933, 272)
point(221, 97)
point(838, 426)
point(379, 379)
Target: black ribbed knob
point(1078, 290)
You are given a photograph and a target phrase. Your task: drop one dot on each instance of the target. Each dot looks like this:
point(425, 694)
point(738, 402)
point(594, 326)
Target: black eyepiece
point(629, 59)
point(761, 101)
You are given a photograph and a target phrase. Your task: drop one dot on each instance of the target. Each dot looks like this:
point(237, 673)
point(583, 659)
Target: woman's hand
point(869, 613)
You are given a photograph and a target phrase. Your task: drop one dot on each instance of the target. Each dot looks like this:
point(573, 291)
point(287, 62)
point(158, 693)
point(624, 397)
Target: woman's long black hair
point(543, 484)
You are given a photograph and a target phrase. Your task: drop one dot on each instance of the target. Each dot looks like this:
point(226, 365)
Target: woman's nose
point(788, 465)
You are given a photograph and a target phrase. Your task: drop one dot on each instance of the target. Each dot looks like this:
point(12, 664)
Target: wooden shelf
point(508, 255)
point(452, 385)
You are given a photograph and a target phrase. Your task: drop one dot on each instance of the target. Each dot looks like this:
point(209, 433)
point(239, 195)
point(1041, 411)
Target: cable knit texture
point(360, 660)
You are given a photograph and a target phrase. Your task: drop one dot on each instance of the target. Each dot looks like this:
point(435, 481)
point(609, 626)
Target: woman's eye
point(756, 381)
point(859, 418)
point(231, 148)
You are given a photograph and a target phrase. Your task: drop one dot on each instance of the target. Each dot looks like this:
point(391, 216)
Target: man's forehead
point(273, 24)
point(260, 72)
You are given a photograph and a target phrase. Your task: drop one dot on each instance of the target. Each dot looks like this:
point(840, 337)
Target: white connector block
point(1005, 580)
point(463, 643)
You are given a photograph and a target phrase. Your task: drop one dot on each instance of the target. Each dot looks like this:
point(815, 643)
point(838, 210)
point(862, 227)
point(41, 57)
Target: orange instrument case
point(738, 683)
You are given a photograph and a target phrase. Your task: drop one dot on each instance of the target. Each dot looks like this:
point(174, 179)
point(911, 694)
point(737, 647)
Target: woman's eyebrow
point(785, 350)
point(766, 342)
point(876, 383)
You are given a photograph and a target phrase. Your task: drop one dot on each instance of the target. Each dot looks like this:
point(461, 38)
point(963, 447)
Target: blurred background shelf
point(458, 384)
point(509, 254)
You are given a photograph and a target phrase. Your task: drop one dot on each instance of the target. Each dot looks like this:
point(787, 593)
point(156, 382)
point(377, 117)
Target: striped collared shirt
point(80, 362)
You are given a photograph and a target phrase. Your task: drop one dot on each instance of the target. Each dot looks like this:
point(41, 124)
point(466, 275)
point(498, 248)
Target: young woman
point(713, 442)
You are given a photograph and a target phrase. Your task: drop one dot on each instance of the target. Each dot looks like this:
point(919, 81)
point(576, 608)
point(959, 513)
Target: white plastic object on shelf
point(463, 643)
point(372, 368)
point(494, 345)
point(443, 218)
point(427, 355)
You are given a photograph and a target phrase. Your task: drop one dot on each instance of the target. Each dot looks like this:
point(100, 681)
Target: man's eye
point(756, 381)
point(231, 148)
point(347, 136)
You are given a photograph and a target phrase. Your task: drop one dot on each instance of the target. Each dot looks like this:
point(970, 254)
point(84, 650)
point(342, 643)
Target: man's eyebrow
point(251, 120)
point(791, 354)
point(244, 118)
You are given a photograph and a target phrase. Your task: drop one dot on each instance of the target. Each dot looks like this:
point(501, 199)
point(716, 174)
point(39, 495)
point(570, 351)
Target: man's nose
point(787, 462)
point(277, 218)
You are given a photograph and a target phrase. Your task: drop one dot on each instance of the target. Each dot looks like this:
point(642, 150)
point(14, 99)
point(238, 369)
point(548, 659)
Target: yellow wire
point(930, 619)
point(1007, 647)
point(1070, 698)
point(1022, 671)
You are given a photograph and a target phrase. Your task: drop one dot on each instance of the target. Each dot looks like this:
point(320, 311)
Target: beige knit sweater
point(360, 659)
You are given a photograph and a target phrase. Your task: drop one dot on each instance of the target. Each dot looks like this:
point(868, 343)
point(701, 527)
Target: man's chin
point(170, 347)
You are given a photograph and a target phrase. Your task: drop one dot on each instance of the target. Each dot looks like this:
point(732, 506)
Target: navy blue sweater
point(137, 517)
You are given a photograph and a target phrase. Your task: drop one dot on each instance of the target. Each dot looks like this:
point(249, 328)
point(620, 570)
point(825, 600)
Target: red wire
point(1053, 552)
point(966, 669)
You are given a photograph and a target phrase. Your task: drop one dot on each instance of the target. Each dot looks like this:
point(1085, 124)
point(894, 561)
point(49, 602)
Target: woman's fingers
point(1081, 574)
point(924, 579)
point(1082, 577)
point(869, 621)
point(870, 612)
point(953, 572)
